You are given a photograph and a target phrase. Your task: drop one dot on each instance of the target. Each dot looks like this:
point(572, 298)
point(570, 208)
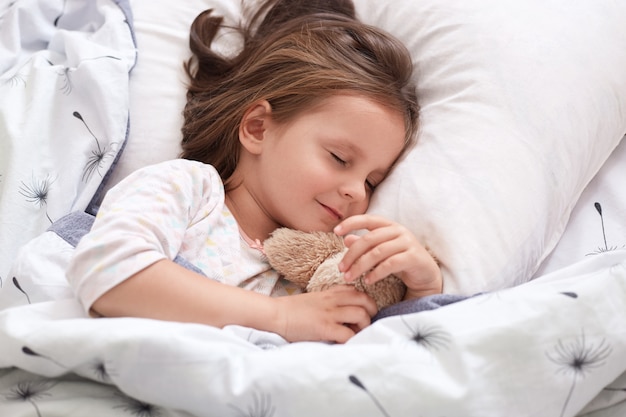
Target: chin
point(315, 228)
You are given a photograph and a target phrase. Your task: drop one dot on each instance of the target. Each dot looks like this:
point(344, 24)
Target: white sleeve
point(142, 220)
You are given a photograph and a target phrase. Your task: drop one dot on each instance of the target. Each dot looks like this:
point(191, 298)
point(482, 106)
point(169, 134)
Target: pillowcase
point(522, 102)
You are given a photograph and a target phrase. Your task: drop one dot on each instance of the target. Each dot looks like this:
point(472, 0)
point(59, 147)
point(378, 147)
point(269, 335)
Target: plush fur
point(311, 260)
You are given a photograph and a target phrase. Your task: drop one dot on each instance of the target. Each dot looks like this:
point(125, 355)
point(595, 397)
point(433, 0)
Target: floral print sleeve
point(143, 219)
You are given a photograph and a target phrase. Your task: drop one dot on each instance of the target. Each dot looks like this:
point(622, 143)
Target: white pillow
point(158, 81)
point(522, 102)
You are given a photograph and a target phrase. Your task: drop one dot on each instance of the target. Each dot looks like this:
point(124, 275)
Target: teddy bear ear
point(327, 274)
point(296, 254)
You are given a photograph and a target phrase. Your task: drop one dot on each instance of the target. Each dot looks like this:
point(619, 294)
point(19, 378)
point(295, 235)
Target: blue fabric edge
point(94, 203)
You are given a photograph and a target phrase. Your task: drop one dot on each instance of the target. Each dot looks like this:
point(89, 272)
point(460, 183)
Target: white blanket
point(553, 347)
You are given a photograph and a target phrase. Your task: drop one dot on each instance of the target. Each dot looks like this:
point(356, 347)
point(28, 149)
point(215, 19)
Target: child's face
point(322, 166)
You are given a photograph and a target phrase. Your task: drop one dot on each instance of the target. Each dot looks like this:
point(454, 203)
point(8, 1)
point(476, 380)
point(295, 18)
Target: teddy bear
point(311, 259)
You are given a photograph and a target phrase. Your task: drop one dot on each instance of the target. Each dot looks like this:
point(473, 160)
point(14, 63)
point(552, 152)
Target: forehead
point(362, 125)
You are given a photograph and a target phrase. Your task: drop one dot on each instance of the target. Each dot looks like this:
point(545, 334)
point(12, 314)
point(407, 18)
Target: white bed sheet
point(598, 222)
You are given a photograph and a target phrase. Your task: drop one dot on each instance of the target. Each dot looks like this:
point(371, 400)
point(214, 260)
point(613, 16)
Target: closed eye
point(371, 186)
point(338, 159)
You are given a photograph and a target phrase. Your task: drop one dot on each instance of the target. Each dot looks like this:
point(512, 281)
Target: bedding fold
point(64, 74)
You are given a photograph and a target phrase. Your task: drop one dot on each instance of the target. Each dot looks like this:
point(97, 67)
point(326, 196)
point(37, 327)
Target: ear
point(254, 125)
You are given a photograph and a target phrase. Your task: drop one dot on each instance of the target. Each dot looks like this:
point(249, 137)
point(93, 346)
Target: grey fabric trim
point(72, 227)
point(430, 302)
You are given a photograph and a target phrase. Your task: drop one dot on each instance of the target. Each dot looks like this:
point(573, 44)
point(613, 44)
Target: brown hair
point(295, 53)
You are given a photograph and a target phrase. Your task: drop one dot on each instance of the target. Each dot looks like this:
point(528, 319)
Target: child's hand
point(388, 248)
point(333, 315)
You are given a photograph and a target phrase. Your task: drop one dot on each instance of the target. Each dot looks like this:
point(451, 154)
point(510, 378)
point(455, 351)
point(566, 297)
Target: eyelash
point(342, 162)
point(338, 159)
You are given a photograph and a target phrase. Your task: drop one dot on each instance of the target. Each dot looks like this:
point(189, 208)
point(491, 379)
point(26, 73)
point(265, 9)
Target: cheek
point(359, 208)
point(296, 182)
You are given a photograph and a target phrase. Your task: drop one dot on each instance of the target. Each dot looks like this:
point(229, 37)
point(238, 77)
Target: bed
point(516, 184)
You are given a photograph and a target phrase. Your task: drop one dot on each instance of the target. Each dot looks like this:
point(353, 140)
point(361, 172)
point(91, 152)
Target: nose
point(353, 189)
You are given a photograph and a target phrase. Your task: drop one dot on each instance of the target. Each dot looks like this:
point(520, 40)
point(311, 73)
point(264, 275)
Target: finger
point(356, 317)
point(384, 259)
point(354, 328)
point(350, 296)
point(360, 222)
point(366, 302)
point(341, 333)
point(389, 266)
point(348, 240)
point(367, 251)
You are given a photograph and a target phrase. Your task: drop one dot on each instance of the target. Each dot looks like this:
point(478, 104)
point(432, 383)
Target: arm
point(388, 248)
point(151, 293)
point(124, 267)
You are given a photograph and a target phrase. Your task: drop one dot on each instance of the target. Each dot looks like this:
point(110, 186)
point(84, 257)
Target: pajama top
point(175, 208)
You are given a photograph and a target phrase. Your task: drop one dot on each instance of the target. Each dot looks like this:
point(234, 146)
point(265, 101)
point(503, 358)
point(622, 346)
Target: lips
point(334, 213)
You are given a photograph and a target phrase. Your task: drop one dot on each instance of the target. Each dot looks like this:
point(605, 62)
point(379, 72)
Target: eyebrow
point(356, 150)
